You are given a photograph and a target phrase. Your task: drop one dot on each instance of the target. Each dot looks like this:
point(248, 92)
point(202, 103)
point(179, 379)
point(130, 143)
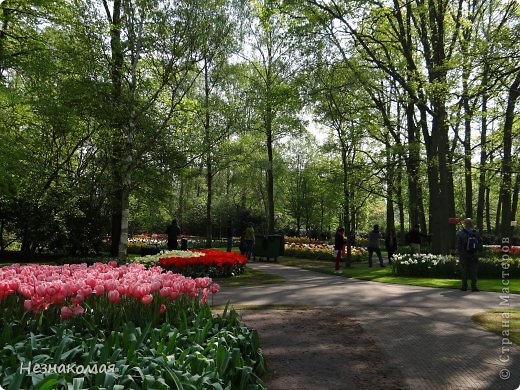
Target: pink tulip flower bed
point(107, 290)
point(102, 326)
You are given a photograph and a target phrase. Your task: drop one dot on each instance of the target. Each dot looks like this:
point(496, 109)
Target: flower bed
point(73, 290)
point(119, 327)
point(153, 243)
point(497, 250)
point(153, 260)
point(210, 263)
point(317, 251)
point(195, 263)
point(439, 266)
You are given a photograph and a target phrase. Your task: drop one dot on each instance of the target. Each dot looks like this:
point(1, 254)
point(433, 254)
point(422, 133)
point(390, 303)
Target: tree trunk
point(467, 151)
point(507, 141)
point(412, 166)
point(268, 118)
point(207, 145)
point(514, 206)
point(497, 216)
point(116, 68)
point(390, 216)
point(123, 237)
point(270, 180)
point(400, 203)
point(483, 154)
point(488, 210)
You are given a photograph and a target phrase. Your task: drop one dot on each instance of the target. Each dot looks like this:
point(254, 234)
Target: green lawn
point(505, 323)
point(384, 275)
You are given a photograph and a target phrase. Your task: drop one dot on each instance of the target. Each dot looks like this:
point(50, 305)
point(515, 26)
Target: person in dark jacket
point(173, 230)
point(339, 247)
point(249, 236)
point(414, 238)
point(229, 236)
point(468, 257)
point(373, 246)
point(390, 244)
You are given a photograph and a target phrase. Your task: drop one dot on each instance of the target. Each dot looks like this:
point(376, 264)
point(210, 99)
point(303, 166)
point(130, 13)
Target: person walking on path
point(173, 230)
point(339, 247)
point(468, 243)
point(229, 236)
point(249, 237)
point(373, 246)
point(414, 238)
point(390, 244)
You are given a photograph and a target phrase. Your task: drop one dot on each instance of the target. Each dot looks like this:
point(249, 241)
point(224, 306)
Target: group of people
point(468, 245)
point(373, 246)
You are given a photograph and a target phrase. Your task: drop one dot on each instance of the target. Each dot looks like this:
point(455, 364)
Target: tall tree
point(153, 52)
point(276, 100)
point(222, 42)
point(506, 187)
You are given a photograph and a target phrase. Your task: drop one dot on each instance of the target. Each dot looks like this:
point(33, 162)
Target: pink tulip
point(162, 309)
point(155, 286)
point(110, 285)
point(114, 297)
point(215, 287)
point(77, 299)
point(86, 292)
point(165, 291)
point(99, 289)
point(66, 313)
point(90, 282)
point(147, 299)
point(78, 310)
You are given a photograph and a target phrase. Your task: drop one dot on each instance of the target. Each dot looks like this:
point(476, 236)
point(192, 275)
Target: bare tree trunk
point(488, 210)
point(483, 154)
point(467, 151)
point(400, 203)
point(412, 166)
point(209, 173)
point(117, 59)
point(497, 216)
point(514, 206)
point(507, 141)
point(390, 183)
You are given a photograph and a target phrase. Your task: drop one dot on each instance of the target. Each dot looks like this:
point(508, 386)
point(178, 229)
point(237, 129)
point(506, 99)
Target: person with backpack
point(468, 244)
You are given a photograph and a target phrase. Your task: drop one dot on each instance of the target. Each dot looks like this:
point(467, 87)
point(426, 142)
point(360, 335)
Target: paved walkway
point(427, 331)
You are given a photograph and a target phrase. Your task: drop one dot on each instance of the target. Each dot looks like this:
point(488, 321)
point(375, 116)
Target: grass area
point(250, 277)
point(384, 275)
point(495, 320)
